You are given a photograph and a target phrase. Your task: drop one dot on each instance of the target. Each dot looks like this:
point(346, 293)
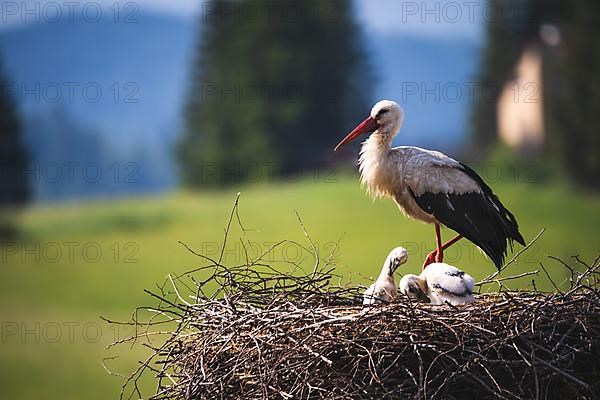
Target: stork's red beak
point(367, 126)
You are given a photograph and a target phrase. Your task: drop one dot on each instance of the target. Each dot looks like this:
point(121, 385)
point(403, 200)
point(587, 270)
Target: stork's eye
point(381, 112)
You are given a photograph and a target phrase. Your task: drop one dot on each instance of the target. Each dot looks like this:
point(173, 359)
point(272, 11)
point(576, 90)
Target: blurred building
point(520, 107)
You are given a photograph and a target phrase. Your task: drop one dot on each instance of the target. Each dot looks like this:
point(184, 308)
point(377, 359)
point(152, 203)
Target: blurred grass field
point(80, 261)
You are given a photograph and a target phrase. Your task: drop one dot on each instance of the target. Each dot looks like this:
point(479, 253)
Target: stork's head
point(396, 258)
point(386, 119)
point(414, 287)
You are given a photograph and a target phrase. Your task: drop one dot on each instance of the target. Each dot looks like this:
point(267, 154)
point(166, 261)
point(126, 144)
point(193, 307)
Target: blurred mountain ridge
point(142, 70)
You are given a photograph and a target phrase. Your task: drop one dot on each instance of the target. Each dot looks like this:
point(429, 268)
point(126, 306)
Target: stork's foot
point(433, 257)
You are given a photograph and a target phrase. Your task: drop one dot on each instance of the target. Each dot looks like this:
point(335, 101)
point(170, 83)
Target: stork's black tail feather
point(479, 217)
point(506, 218)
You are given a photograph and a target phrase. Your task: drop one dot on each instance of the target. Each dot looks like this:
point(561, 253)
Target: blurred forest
point(13, 162)
point(13, 157)
point(567, 35)
point(273, 90)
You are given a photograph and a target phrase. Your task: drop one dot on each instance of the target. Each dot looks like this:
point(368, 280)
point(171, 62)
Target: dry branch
point(251, 332)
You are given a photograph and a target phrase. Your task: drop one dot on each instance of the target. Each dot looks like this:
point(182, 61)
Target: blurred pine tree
point(273, 87)
point(14, 189)
point(576, 106)
point(13, 157)
point(571, 78)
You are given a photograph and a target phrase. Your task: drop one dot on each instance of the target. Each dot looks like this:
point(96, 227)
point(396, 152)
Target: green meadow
point(77, 262)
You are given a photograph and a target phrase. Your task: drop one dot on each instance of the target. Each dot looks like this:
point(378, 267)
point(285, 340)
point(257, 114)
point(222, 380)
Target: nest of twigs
point(251, 332)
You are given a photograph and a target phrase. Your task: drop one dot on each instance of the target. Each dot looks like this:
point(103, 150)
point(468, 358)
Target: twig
point(255, 332)
point(233, 210)
point(491, 278)
point(315, 252)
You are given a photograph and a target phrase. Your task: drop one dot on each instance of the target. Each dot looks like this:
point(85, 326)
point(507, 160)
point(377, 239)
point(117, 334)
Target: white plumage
point(431, 187)
point(385, 289)
point(439, 283)
point(395, 172)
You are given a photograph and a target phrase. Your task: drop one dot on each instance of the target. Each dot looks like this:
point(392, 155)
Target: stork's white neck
point(385, 272)
point(375, 171)
point(391, 263)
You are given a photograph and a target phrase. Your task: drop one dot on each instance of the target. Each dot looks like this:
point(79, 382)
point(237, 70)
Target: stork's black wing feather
point(478, 216)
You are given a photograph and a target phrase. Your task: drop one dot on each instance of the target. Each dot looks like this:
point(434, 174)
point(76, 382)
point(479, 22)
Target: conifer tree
point(272, 89)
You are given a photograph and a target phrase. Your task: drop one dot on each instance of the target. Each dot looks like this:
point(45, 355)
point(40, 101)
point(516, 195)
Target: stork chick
point(385, 288)
point(438, 284)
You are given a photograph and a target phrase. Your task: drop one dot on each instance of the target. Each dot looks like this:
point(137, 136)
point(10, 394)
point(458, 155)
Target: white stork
point(385, 288)
point(432, 187)
point(439, 283)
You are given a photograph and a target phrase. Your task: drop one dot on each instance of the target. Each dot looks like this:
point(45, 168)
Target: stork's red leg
point(451, 242)
point(438, 255)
